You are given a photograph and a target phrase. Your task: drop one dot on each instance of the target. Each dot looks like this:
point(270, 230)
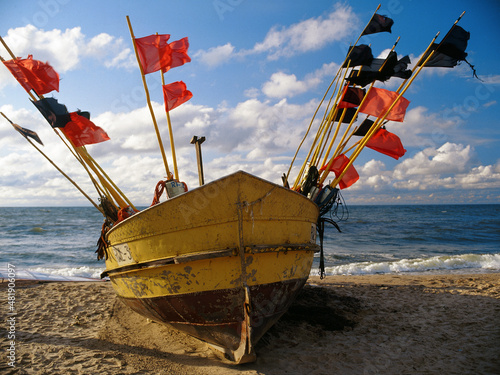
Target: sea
point(392, 239)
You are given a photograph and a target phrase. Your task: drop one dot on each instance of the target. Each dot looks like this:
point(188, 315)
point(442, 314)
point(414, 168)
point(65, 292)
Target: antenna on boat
point(197, 144)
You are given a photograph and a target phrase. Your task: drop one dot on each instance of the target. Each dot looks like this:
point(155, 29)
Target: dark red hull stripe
point(216, 316)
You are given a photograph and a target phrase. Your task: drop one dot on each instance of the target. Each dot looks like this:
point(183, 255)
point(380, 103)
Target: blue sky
point(258, 71)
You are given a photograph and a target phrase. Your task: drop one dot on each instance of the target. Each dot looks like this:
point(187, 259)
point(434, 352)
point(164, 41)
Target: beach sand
point(380, 324)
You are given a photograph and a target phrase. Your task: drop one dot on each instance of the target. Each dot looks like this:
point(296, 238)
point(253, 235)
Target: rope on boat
point(329, 207)
point(321, 231)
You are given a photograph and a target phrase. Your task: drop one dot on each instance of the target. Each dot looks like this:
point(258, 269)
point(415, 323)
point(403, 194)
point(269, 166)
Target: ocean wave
point(437, 263)
point(83, 271)
point(37, 230)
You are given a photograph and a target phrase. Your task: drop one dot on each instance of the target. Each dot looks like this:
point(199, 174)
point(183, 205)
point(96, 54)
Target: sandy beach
point(381, 324)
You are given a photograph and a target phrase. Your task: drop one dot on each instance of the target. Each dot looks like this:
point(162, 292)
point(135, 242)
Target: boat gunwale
point(239, 172)
point(233, 219)
point(254, 249)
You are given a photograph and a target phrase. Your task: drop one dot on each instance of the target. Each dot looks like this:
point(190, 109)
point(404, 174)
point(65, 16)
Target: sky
point(258, 72)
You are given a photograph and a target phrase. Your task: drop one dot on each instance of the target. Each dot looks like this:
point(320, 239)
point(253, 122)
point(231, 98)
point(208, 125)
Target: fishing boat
point(224, 261)
point(221, 262)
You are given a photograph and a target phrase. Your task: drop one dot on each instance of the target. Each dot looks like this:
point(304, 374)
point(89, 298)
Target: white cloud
point(283, 85)
point(308, 35)
point(450, 166)
point(492, 79)
point(255, 136)
point(215, 55)
point(448, 159)
point(305, 36)
point(446, 174)
point(66, 49)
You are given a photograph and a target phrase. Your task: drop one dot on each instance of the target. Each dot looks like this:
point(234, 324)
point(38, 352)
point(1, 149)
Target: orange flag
point(338, 166)
point(81, 131)
point(386, 143)
point(175, 94)
point(34, 75)
point(378, 101)
point(179, 54)
point(154, 52)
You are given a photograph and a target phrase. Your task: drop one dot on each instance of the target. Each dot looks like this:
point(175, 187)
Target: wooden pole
point(84, 158)
point(109, 179)
point(14, 58)
point(171, 135)
point(377, 125)
point(297, 180)
point(55, 166)
point(162, 150)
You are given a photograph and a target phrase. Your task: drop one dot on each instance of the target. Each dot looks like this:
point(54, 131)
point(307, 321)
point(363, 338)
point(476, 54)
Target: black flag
point(27, 133)
point(56, 114)
point(449, 51)
point(381, 70)
point(359, 55)
point(378, 24)
point(363, 129)
point(349, 115)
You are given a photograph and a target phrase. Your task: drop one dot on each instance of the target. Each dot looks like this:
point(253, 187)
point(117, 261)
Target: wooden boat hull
point(222, 262)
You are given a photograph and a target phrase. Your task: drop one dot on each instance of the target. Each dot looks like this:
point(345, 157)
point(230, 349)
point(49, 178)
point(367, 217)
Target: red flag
point(386, 143)
point(34, 75)
point(378, 101)
point(175, 94)
point(154, 52)
point(81, 131)
point(338, 166)
point(179, 53)
point(351, 97)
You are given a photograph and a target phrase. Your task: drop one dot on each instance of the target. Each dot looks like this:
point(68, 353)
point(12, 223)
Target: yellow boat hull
point(222, 262)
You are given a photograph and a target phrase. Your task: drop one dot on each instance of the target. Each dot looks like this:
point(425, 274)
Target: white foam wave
point(438, 263)
point(83, 271)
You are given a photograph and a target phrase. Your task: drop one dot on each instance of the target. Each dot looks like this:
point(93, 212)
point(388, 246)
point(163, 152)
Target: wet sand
point(379, 324)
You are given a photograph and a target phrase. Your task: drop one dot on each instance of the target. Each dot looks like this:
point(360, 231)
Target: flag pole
point(80, 153)
point(440, 43)
point(430, 46)
point(109, 179)
point(9, 51)
point(170, 133)
point(377, 125)
point(329, 115)
point(338, 129)
point(55, 166)
point(341, 142)
point(306, 134)
point(319, 105)
point(169, 174)
point(72, 149)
